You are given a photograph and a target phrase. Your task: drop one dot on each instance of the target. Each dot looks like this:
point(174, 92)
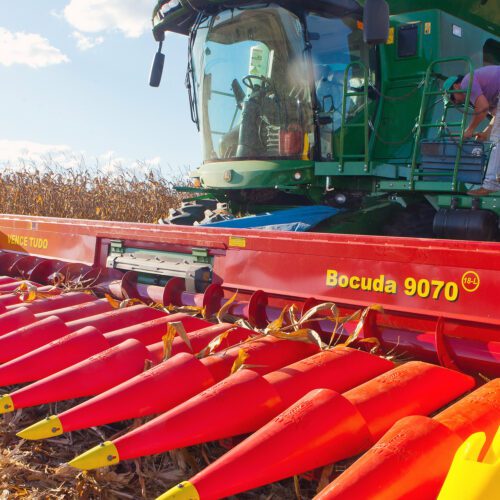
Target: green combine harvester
point(336, 103)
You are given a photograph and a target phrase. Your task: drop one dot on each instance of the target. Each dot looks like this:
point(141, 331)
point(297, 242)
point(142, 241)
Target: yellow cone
point(46, 428)
point(6, 404)
point(183, 491)
point(470, 478)
point(100, 456)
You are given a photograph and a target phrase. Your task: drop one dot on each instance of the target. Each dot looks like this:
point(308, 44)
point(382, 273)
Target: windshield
point(253, 85)
point(338, 55)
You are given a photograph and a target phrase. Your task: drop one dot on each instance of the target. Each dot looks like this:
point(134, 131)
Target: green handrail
point(344, 125)
point(442, 124)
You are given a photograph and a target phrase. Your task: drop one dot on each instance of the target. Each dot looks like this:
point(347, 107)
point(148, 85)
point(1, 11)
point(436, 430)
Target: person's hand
point(468, 133)
point(483, 136)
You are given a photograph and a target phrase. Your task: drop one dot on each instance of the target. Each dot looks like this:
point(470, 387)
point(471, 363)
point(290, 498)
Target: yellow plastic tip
point(100, 456)
point(470, 478)
point(183, 491)
point(46, 428)
point(6, 404)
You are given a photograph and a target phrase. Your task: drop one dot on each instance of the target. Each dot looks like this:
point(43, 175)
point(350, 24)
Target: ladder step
point(439, 173)
point(435, 92)
point(441, 92)
point(348, 94)
point(442, 124)
point(349, 125)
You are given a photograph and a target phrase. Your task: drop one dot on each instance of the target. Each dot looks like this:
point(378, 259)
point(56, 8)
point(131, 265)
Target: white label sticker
point(457, 30)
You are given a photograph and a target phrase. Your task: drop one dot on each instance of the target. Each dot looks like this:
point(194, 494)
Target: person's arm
point(481, 107)
point(485, 134)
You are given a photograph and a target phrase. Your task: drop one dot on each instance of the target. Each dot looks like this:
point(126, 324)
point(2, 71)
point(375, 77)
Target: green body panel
point(490, 202)
point(255, 174)
point(397, 118)
point(484, 14)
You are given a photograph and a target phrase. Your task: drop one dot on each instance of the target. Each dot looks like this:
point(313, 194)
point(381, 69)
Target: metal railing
point(443, 125)
point(345, 124)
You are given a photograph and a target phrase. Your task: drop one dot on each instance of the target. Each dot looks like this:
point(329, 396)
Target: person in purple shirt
point(484, 95)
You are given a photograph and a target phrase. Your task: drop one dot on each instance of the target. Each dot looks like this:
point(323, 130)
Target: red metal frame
point(293, 265)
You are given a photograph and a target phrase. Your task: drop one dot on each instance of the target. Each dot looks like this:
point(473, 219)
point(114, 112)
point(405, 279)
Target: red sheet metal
point(452, 279)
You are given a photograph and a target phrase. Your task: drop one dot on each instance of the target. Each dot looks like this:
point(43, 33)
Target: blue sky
point(73, 82)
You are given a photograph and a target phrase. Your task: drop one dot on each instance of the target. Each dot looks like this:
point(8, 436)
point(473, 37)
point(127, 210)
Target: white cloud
point(131, 17)
point(12, 152)
point(57, 14)
point(86, 42)
point(111, 162)
point(30, 49)
point(16, 154)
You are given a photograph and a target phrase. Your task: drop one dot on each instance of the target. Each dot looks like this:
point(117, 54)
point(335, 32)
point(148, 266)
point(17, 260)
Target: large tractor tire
point(189, 212)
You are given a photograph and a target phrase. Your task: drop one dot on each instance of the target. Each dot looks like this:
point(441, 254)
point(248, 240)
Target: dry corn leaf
point(484, 378)
point(301, 335)
point(316, 339)
point(214, 344)
point(191, 310)
point(325, 478)
point(361, 323)
point(225, 308)
point(115, 304)
point(239, 362)
point(161, 307)
point(129, 302)
point(355, 316)
point(296, 487)
point(168, 340)
point(243, 323)
point(371, 340)
point(26, 292)
point(52, 292)
point(293, 317)
point(181, 331)
point(277, 324)
point(310, 315)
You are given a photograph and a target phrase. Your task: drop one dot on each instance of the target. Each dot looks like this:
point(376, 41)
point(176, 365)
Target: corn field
point(144, 195)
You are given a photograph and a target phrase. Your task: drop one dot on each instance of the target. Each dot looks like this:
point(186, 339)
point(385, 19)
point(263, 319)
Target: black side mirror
point(375, 22)
point(157, 68)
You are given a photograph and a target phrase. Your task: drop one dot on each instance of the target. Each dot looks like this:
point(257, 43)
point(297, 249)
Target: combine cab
point(308, 349)
point(316, 103)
